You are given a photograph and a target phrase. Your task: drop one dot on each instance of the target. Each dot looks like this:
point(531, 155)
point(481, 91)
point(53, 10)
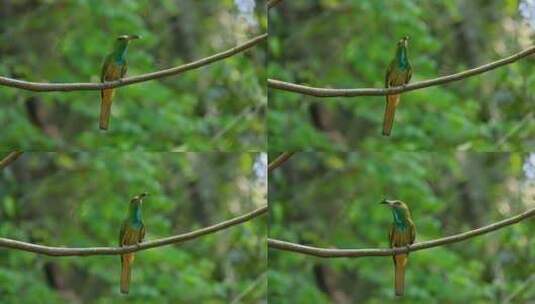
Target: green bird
point(132, 233)
point(399, 73)
point(402, 234)
point(114, 68)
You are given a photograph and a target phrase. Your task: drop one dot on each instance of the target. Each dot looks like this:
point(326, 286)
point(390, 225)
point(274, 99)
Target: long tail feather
point(400, 261)
point(105, 107)
point(390, 111)
point(126, 272)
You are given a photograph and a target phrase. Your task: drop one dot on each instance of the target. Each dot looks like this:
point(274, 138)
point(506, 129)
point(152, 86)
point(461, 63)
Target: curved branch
point(11, 157)
point(272, 3)
point(322, 92)
point(279, 160)
point(47, 87)
point(65, 251)
point(355, 253)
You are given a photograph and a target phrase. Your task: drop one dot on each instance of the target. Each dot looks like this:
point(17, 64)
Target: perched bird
point(399, 73)
point(132, 232)
point(402, 234)
point(114, 68)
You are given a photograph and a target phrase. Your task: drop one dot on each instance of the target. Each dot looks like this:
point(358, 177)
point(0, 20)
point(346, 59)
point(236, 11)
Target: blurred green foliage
point(349, 44)
point(80, 200)
point(218, 107)
point(332, 201)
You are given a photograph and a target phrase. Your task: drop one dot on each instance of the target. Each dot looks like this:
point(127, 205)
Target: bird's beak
point(386, 202)
point(144, 194)
point(133, 37)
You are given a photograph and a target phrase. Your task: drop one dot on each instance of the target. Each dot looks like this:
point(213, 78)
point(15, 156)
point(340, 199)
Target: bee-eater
point(132, 232)
point(402, 234)
point(114, 68)
point(399, 73)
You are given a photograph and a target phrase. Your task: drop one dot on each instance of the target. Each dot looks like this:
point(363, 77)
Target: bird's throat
point(135, 214)
point(120, 51)
point(401, 57)
point(400, 219)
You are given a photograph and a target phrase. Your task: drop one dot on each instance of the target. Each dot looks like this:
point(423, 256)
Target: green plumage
point(398, 73)
point(402, 234)
point(132, 232)
point(114, 68)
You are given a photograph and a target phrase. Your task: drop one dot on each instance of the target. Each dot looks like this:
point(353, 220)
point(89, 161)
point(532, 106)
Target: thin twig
point(279, 160)
point(355, 253)
point(66, 251)
point(323, 92)
point(249, 110)
point(47, 87)
point(519, 126)
point(249, 289)
point(11, 157)
point(272, 3)
point(520, 289)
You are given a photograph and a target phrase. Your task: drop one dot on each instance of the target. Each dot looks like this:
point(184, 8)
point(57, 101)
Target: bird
point(402, 234)
point(113, 68)
point(398, 73)
point(132, 233)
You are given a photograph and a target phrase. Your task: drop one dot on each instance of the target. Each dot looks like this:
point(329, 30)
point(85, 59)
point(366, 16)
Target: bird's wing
point(409, 75)
point(142, 233)
point(387, 75)
point(121, 234)
point(105, 66)
point(413, 233)
point(124, 68)
point(391, 236)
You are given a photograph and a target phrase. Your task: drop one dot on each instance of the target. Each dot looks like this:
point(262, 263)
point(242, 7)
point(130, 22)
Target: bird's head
point(126, 38)
point(138, 199)
point(403, 42)
point(396, 204)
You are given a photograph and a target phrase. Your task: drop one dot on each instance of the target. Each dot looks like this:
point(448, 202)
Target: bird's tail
point(392, 102)
point(400, 261)
point(126, 271)
point(105, 107)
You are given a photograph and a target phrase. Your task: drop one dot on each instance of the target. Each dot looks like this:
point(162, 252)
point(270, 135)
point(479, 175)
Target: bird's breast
point(113, 72)
point(398, 78)
point(401, 237)
point(131, 237)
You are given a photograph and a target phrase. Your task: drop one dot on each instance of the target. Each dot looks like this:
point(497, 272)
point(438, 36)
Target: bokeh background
point(332, 201)
point(218, 107)
point(349, 44)
point(81, 199)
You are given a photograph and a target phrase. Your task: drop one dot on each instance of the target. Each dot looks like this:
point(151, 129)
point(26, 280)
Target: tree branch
point(283, 157)
point(355, 253)
point(11, 157)
point(323, 92)
point(47, 87)
point(65, 251)
point(272, 3)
